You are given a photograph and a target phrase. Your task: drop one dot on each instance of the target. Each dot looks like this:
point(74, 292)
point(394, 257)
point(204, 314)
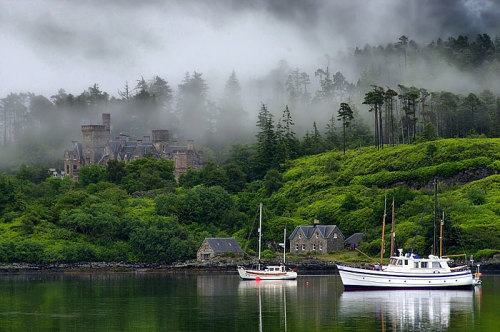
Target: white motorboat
point(407, 272)
point(271, 272)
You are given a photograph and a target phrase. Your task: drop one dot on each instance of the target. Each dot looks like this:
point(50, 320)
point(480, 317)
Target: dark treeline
point(446, 97)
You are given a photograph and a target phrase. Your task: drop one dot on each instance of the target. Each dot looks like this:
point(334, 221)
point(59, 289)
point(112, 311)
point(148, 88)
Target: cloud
point(74, 44)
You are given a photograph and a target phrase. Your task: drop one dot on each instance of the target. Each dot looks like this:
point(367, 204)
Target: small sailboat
point(271, 272)
point(408, 271)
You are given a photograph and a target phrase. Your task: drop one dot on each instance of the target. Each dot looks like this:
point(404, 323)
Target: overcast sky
point(47, 45)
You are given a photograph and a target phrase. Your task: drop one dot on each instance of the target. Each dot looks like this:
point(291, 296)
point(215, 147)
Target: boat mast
point(260, 229)
point(441, 237)
point(435, 217)
point(284, 246)
point(393, 234)
point(383, 230)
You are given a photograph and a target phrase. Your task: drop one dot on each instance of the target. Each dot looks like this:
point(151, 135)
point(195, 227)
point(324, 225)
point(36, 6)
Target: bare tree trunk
point(381, 131)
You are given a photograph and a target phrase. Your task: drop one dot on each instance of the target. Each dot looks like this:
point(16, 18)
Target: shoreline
point(229, 266)
point(305, 266)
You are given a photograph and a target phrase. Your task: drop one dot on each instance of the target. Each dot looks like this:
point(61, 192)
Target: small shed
point(352, 242)
point(216, 246)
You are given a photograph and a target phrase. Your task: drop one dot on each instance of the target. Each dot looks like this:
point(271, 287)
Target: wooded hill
point(137, 212)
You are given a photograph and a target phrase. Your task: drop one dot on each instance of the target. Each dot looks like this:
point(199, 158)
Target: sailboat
point(408, 271)
point(271, 272)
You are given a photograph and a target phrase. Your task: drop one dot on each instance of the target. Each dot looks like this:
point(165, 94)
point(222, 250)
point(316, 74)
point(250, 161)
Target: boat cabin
point(414, 263)
point(275, 268)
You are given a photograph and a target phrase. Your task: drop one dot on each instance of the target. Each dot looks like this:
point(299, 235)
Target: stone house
point(352, 242)
point(317, 238)
point(98, 148)
point(212, 247)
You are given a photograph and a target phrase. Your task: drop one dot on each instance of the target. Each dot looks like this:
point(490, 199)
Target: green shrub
point(477, 196)
point(29, 252)
point(486, 253)
point(7, 251)
point(267, 254)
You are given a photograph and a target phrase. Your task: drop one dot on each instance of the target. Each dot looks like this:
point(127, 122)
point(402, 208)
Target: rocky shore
point(307, 266)
point(310, 265)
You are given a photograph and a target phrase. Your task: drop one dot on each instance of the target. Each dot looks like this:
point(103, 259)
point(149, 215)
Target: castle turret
point(106, 122)
point(95, 138)
point(161, 139)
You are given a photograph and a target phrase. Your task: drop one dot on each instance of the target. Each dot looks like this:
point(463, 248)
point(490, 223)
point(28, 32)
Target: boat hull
point(362, 279)
point(247, 274)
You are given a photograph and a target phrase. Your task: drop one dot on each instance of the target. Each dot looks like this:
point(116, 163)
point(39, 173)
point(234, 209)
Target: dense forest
point(316, 146)
point(137, 212)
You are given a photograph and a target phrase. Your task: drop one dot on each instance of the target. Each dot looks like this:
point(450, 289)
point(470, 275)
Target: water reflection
point(273, 293)
point(411, 309)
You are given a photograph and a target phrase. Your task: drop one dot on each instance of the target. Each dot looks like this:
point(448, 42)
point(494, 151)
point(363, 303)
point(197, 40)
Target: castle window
point(74, 167)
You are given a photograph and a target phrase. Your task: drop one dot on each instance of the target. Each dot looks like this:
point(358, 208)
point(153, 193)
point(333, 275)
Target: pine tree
point(345, 115)
point(266, 157)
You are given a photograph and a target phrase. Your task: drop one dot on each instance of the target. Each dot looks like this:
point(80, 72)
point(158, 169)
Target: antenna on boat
point(383, 231)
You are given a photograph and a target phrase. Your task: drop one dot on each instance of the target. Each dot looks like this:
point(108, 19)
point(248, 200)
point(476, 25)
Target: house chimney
point(316, 222)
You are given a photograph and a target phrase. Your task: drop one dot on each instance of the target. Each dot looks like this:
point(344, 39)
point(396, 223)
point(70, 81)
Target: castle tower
point(106, 122)
point(95, 139)
point(161, 139)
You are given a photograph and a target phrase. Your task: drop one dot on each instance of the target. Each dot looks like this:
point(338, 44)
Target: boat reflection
point(269, 292)
point(408, 309)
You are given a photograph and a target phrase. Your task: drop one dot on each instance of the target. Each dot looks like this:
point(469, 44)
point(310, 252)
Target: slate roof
point(77, 152)
point(324, 230)
point(355, 238)
point(220, 245)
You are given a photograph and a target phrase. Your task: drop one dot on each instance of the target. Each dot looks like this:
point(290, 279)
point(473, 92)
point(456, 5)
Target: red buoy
point(307, 283)
point(257, 278)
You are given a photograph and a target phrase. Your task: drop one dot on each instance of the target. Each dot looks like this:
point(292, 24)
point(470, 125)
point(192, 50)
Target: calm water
point(160, 302)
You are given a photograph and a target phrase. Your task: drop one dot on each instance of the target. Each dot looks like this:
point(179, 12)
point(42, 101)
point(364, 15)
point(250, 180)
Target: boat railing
point(459, 268)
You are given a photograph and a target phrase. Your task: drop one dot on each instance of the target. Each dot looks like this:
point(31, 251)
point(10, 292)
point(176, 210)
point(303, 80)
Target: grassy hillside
point(144, 216)
point(349, 191)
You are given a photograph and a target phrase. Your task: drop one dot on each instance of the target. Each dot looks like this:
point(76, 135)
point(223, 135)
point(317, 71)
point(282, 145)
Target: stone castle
point(98, 147)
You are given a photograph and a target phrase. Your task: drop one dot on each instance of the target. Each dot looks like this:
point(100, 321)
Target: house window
point(317, 235)
point(334, 235)
point(303, 247)
point(300, 236)
point(297, 247)
point(320, 247)
point(314, 247)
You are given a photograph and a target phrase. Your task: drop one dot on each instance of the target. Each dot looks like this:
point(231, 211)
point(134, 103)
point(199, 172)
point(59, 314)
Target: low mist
point(204, 68)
